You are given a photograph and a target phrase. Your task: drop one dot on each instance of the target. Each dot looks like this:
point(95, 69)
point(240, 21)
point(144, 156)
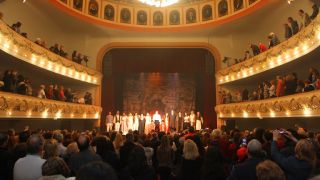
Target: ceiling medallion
point(159, 3)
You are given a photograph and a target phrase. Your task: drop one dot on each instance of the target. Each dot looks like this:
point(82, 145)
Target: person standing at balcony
point(266, 90)
point(245, 95)
point(16, 27)
point(62, 97)
point(262, 47)
point(109, 122)
point(116, 121)
point(273, 40)
point(50, 92)
point(287, 31)
point(272, 89)
point(315, 11)
point(294, 25)
point(88, 98)
point(247, 55)
point(255, 49)
point(290, 85)
point(41, 92)
point(280, 86)
point(260, 92)
point(305, 19)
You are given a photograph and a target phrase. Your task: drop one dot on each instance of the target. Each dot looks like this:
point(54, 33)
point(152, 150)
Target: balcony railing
point(24, 49)
point(20, 106)
point(297, 105)
point(302, 43)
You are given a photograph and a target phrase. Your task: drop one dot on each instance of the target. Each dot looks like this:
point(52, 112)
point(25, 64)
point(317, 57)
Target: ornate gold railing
point(20, 106)
point(297, 105)
point(28, 51)
point(302, 43)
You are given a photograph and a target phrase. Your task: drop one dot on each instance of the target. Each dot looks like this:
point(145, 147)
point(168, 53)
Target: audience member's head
point(3, 140)
point(254, 148)
point(129, 137)
point(72, 148)
point(83, 142)
point(35, 144)
point(55, 166)
point(50, 149)
point(268, 170)
point(304, 151)
point(190, 150)
point(58, 136)
point(96, 171)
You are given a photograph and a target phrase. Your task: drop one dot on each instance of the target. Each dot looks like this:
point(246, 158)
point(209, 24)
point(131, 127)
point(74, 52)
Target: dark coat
point(82, 158)
point(294, 27)
point(125, 151)
point(190, 169)
point(246, 170)
point(294, 169)
point(6, 164)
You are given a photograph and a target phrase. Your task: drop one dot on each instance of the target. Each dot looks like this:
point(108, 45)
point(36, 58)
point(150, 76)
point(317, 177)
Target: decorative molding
point(24, 49)
point(297, 105)
point(190, 14)
point(20, 106)
point(292, 49)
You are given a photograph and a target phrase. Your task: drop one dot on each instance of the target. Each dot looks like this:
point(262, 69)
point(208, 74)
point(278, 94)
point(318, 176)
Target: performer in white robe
point(116, 121)
point(147, 128)
point(124, 125)
point(130, 122)
point(192, 117)
point(199, 121)
point(186, 121)
point(136, 122)
point(109, 122)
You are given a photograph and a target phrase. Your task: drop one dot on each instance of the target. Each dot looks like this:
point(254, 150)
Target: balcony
point(297, 105)
point(297, 46)
point(28, 51)
point(20, 106)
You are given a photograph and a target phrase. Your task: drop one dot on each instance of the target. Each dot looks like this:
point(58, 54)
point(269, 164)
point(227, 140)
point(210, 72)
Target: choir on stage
point(169, 122)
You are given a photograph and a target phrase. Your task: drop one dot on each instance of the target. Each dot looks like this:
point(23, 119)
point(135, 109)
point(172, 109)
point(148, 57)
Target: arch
point(207, 12)
point(109, 12)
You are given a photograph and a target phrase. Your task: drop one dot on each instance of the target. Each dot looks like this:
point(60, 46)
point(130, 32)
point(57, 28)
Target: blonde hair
point(72, 148)
point(190, 150)
point(118, 141)
point(268, 170)
point(304, 150)
point(216, 134)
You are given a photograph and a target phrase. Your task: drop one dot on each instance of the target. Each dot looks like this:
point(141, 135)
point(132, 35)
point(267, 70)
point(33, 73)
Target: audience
point(268, 170)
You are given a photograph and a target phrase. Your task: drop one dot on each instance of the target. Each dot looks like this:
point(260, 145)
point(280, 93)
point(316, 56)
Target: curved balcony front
point(290, 50)
point(20, 106)
point(297, 105)
point(24, 49)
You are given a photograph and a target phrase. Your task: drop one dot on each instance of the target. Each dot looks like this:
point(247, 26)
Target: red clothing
point(62, 97)
point(318, 84)
point(263, 47)
point(50, 94)
point(280, 88)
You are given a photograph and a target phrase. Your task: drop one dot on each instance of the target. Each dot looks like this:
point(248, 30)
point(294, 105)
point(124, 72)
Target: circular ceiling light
point(159, 3)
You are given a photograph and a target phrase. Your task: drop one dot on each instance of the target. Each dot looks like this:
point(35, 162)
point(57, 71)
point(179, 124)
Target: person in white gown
point(156, 119)
point(130, 121)
point(186, 121)
point(199, 121)
point(116, 121)
point(124, 126)
point(192, 118)
point(136, 122)
point(147, 128)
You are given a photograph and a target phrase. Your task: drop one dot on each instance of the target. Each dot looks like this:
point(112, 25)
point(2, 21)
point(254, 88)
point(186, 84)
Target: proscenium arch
point(135, 45)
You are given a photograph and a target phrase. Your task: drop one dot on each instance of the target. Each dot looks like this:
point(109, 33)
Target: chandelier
point(159, 3)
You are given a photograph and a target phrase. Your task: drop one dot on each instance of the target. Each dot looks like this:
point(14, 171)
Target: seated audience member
point(24, 34)
point(41, 92)
point(62, 97)
point(16, 27)
point(96, 171)
point(137, 166)
point(300, 165)
point(29, 87)
point(262, 47)
point(313, 75)
point(300, 86)
point(315, 11)
point(280, 86)
point(72, 149)
point(272, 89)
point(88, 98)
point(9, 80)
point(56, 93)
point(68, 95)
point(50, 92)
point(245, 95)
point(294, 25)
point(85, 59)
point(268, 170)
point(287, 31)
point(247, 55)
point(255, 49)
point(38, 41)
point(79, 58)
point(247, 169)
point(55, 49)
point(266, 86)
point(6, 158)
point(191, 162)
point(74, 56)
point(290, 85)
point(30, 167)
point(273, 40)
point(84, 156)
point(305, 19)
point(308, 86)
point(55, 169)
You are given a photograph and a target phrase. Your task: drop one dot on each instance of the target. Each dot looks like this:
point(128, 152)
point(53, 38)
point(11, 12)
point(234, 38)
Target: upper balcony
point(21, 106)
point(137, 16)
point(290, 50)
point(297, 105)
point(24, 49)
